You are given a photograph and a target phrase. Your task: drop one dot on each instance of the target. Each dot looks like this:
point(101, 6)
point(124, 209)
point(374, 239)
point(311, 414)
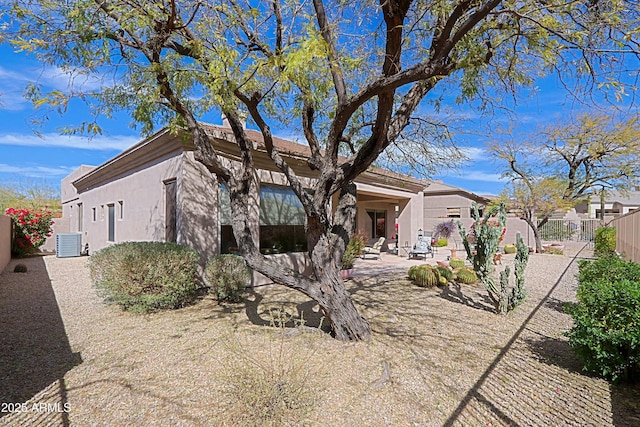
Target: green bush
point(441, 243)
point(606, 331)
point(146, 276)
point(228, 276)
point(605, 242)
point(613, 269)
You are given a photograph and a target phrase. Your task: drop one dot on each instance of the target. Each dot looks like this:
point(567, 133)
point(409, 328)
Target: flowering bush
point(31, 229)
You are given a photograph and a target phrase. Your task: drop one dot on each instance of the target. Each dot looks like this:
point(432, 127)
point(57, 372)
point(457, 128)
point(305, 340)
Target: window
point(227, 239)
point(378, 223)
point(80, 215)
point(111, 223)
point(94, 214)
point(170, 211)
point(282, 220)
point(121, 209)
point(453, 212)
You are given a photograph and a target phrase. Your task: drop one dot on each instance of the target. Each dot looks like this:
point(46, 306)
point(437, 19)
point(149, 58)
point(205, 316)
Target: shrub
point(606, 331)
point(509, 249)
point(605, 242)
point(467, 276)
point(228, 276)
point(613, 269)
point(441, 243)
point(456, 263)
point(356, 244)
point(31, 230)
point(146, 276)
point(20, 268)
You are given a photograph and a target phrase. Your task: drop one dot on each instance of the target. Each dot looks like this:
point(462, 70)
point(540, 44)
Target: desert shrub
point(20, 268)
point(456, 263)
point(354, 248)
point(445, 272)
point(146, 276)
point(466, 275)
point(441, 243)
point(613, 269)
point(278, 385)
point(228, 276)
point(605, 242)
point(509, 249)
point(606, 331)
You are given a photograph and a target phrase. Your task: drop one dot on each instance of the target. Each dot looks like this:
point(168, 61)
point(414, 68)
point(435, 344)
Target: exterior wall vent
point(68, 245)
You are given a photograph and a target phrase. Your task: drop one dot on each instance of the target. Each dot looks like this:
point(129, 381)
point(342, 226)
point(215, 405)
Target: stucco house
point(615, 204)
point(157, 191)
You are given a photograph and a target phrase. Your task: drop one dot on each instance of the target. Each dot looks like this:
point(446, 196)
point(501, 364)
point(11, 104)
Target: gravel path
point(438, 357)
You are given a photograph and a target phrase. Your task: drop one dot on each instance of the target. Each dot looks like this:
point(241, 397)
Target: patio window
point(282, 220)
point(378, 223)
point(227, 239)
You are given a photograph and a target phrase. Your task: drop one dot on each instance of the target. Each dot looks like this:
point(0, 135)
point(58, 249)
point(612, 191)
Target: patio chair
point(374, 249)
point(421, 248)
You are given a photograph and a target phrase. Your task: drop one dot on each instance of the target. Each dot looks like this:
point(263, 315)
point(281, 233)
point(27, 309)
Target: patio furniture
point(373, 250)
point(421, 248)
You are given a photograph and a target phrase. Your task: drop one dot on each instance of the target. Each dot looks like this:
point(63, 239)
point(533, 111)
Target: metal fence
point(579, 230)
point(628, 235)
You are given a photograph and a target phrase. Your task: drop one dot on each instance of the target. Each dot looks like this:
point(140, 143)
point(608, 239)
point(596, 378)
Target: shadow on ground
point(34, 348)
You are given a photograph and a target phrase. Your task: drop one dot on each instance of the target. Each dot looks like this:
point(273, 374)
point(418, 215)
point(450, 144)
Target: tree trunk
point(338, 307)
point(536, 234)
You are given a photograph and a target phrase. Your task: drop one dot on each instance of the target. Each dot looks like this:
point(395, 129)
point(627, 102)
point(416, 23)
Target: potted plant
point(445, 230)
point(355, 246)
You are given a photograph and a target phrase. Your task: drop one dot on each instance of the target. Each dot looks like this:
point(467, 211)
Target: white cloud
point(37, 171)
point(474, 153)
point(483, 176)
point(117, 142)
point(14, 81)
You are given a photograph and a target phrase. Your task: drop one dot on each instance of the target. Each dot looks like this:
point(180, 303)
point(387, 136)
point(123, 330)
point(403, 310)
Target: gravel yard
point(439, 357)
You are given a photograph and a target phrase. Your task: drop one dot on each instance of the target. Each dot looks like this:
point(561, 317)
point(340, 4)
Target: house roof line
point(163, 142)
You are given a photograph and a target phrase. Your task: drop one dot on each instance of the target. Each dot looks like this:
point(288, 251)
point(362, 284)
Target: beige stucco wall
point(5, 241)
point(140, 193)
point(436, 206)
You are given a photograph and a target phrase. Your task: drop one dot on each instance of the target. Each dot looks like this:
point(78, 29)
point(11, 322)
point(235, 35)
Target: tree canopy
point(354, 77)
point(563, 164)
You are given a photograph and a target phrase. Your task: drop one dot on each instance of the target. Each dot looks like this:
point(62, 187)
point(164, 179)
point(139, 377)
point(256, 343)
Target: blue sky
point(26, 157)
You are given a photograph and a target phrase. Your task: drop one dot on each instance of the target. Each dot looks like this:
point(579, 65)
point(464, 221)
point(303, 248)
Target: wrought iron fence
point(581, 230)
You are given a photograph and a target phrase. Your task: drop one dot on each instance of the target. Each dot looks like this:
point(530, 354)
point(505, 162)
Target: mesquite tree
point(353, 78)
point(564, 164)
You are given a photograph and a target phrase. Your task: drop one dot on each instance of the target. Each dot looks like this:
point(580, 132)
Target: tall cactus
point(488, 236)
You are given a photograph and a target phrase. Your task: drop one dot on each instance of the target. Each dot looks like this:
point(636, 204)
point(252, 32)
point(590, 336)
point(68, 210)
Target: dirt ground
point(438, 357)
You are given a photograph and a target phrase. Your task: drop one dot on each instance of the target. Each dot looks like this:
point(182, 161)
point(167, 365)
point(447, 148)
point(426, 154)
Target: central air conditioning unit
point(68, 245)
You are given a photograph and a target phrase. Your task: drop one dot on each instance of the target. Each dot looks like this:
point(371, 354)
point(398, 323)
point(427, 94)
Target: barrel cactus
point(509, 249)
point(456, 263)
point(466, 275)
point(446, 273)
point(424, 275)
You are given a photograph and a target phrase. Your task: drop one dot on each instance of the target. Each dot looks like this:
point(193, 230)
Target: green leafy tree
point(577, 158)
point(354, 77)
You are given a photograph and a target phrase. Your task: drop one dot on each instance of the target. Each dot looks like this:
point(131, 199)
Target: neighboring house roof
point(631, 198)
point(163, 144)
point(438, 188)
